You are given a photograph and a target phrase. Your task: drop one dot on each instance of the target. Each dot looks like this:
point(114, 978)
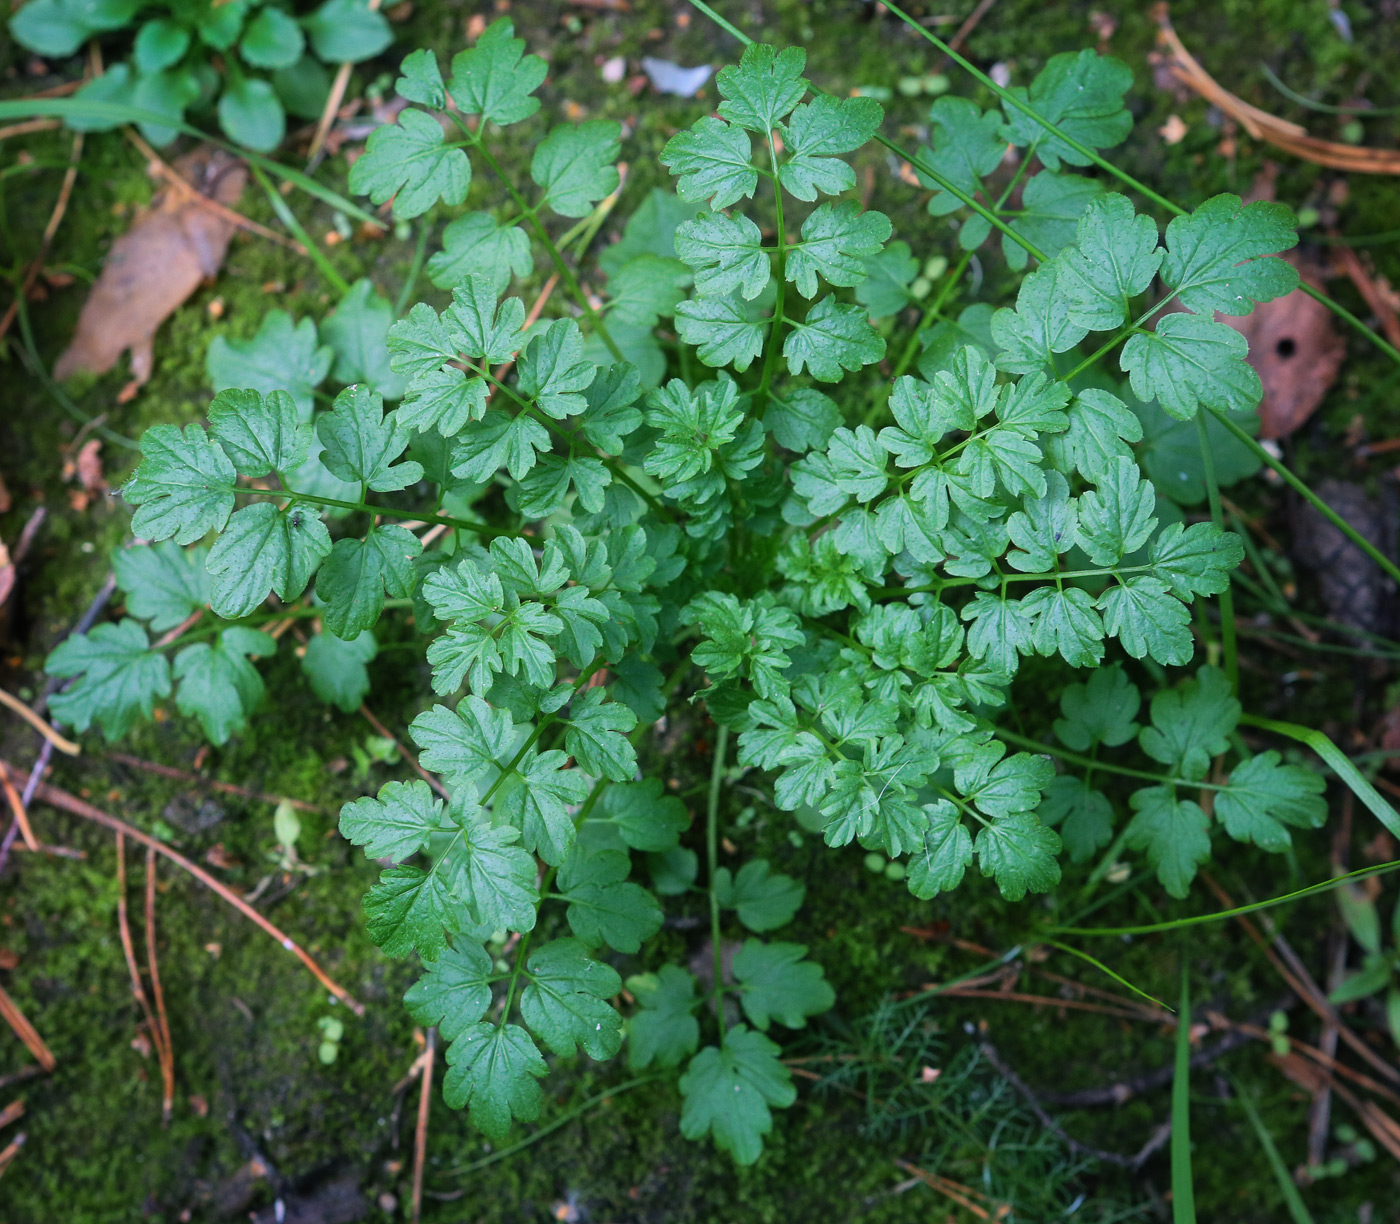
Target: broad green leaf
point(711, 162)
point(764, 900)
point(163, 582)
point(538, 804)
point(1196, 560)
point(477, 245)
point(357, 333)
point(664, 1030)
point(596, 736)
point(553, 371)
point(283, 356)
point(1052, 206)
point(420, 79)
point(495, 79)
point(764, 86)
point(183, 487)
point(1100, 428)
point(1114, 258)
point(813, 133)
point(998, 630)
point(496, 878)
point(1099, 711)
point(163, 42)
point(644, 815)
point(726, 254)
point(1148, 620)
point(604, 907)
point(464, 746)
point(411, 163)
point(1029, 336)
point(347, 31)
point(1188, 361)
point(1215, 256)
point(646, 288)
point(1171, 452)
point(1081, 93)
point(1263, 796)
point(361, 442)
point(251, 115)
point(576, 166)
point(727, 1092)
point(260, 435)
point(338, 669)
point(396, 824)
point(777, 983)
point(721, 330)
point(888, 276)
point(1019, 852)
point(120, 677)
point(802, 419)
point(940, 863)
point(491, 1072)
point(479, 327)
point(354, 577)
point(1191, 723)
point(1174, 832)
point(832, 338)
point(1082, 815)
point(1117, 516)
point(837, 239)
point(565, 1002)
point(966, 146)
point(1043, 528)
point(265, 549)
point(217, 684)
point(454, 991)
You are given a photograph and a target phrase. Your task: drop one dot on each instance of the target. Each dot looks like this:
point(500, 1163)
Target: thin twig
point(36, 265)
point(138, 989)
point(11, 1151)
point(62, 743)
point(530, 319)
point(12, 1112)
point(26, 1032)
point(385, 733)
point(165, 1047)
point(62, 800)
point(420, 1135)
point(17, 807)
point(332, 107)
point(956, 42)
point(28, 126)
point(949, 1189)
point(226, 788)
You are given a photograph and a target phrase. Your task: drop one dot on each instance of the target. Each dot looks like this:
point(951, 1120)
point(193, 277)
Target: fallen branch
point(26, 1032)
point(65, 802)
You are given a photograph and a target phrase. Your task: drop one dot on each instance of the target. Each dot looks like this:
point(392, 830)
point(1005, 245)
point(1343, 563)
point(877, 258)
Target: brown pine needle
point(14, 703)
point(16, 803)
point(65, 802)
point(26, 1032)
point(420, 1134)
point(164, 1047)
point(138, 989)
point(12, 1112)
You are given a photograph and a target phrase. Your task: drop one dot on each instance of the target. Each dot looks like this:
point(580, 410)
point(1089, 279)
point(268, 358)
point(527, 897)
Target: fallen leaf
point(1174, 130)
point(1296, 352)
point(669, 78)
point(89, 466)
point(170, 249)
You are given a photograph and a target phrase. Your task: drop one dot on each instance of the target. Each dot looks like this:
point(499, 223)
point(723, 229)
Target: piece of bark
point(170, 249)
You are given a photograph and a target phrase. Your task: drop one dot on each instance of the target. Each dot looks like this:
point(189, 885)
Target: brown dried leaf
point(1296, 352)
point(153, 267)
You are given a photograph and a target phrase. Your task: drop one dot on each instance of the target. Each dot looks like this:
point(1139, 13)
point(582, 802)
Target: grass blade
point(1183, 1192)
point(1296, 1207)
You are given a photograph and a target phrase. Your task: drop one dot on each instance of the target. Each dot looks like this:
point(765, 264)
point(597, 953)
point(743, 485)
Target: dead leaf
point(151, 269)
point(89, 466)
point(1295, 350)
point(1291, 137)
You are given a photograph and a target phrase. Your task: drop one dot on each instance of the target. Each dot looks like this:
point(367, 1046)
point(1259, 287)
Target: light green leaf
point(1196, 560)
point(596, 736)
point(361, 442)
point(764, 87)
point(553, 371)
point(1081, 93)
point(1191, 723)
point(1174, 833)
point(1117, 516)
point(1051, 207)
point(664, 1031)
point(966, 145)
point(727, 1092)
point(338, 669)
point(1019, 852)
point(1114, 258)
point(411, 163)
point(464, 746)
point(217, 683)
point(1188, 361)
point(259, 435)
point(764, 900)
point(815, 131)
point(1144, 616)
point(725, 253)
point(721, 331)
point(454, 991)
point(711, 162)
point(495, 79)
point(396, 824)
point(1082, 814)
point(646, 288)
point(183, 486)
point(491, 1072)
point(357, 332)
point(420, 79)
point(265, 549)
point(888, 275)
point(832, 338)
point(119, 677)
point(538, 804)
point(163, 583)
point(565, 1002)
point(837, 239)
point(1263, 796)
point(575, 166)
point(940, 863)
point(1029, 336)
point(1214, 257)
point(353, 579)
point(777, 983)
point(1099, 711)
point(477, 245)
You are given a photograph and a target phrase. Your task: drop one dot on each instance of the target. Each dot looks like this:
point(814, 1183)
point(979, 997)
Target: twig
point(188, 190)
point(26, 1032)
point(989, 1052)
point(384, 732)
point(12, 1112)
point(420, 1135)
point(138, 989)
point(530, 320)
point(955, 43)
point(166, 1046)
point(226, 788)
point(332, 106)
point(11, 1151)
point(17, 807)
point(60, 742)
point(171, 634)
point(62, 800)
point(36, 265)
point(28, 126)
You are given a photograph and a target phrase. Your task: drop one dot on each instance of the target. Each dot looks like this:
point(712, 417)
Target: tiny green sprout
point(332, 1030)
point(1278, 1034)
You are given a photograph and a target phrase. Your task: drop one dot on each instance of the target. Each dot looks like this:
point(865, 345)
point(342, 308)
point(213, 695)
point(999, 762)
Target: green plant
point(1380, 967)
point(255, 61)
point(848, 583)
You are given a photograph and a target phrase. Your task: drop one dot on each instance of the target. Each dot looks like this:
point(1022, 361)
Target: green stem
point(775, 333)
point(566, 273)
point(420, 250)
point(298, 231)
point(1227, 597)
point(370, 508)
point(1074, 758)
point(712, 858)
point(1308, 495)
